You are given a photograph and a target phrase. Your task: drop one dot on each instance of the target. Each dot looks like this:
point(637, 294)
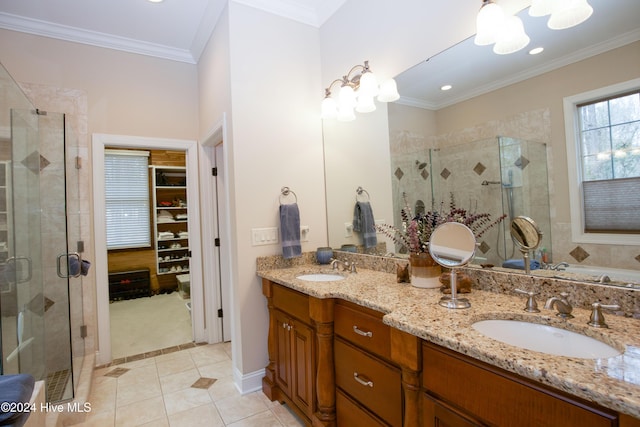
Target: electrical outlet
point(348, 229)
point(304, 233)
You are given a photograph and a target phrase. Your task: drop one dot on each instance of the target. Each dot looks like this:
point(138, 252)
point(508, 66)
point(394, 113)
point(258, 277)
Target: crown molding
point(93, 38)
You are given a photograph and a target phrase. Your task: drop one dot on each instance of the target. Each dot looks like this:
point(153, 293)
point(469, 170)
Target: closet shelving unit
point(169, 185)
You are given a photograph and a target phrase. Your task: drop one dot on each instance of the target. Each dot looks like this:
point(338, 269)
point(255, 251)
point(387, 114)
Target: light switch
point(264, 236)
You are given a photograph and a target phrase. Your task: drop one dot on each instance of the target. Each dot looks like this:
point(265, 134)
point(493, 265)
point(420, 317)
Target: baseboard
point(248, 383)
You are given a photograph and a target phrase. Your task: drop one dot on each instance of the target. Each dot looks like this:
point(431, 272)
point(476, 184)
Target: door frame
point(198, 307)
point(218, 294)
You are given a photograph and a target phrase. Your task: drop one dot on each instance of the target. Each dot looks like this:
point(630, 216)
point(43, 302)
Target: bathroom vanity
point(368, 351)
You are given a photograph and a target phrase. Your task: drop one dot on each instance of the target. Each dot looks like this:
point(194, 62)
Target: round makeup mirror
point(452, 245)
point(527, 236)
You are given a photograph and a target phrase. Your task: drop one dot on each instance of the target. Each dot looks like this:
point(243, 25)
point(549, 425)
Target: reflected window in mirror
point(603, 143)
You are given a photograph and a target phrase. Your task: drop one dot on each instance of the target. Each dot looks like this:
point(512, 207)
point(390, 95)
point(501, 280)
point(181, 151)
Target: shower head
point(421, 165)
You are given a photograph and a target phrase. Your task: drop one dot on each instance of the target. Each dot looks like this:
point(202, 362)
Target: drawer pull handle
point(367, 383)
point(361, 332)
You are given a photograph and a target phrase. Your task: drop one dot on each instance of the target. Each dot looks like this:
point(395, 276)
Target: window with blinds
point(127, 199)
point(609, 134)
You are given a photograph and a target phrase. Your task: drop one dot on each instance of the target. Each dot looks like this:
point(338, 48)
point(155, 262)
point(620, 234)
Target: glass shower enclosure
point(500, 176)
point(40, 300)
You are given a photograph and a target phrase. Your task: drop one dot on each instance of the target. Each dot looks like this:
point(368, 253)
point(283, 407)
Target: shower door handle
point(68, 256)
point(14, 260)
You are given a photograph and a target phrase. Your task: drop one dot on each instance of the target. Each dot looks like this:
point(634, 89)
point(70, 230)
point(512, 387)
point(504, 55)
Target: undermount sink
point(545, 339)
point(320, 277)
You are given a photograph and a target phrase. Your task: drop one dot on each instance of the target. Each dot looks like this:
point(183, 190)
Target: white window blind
point(127, 199)
point(610, 153)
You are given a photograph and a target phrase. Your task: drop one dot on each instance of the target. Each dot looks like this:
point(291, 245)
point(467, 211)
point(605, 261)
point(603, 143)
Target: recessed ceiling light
point(156, 1)
point(536, 50)
point(445, 87)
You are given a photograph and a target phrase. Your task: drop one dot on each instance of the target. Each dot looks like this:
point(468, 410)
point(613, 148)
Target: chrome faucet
point(335, 264)
point(561, 304)
point(559, 266)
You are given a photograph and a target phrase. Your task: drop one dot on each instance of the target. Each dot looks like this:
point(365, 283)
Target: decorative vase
point(425, 272)
point(324, 255)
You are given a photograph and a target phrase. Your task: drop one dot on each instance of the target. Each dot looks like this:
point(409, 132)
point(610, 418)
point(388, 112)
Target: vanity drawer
point(291, 302)
point(370, 381)
point(497, 397)
point(350, 413)
point(364, 328)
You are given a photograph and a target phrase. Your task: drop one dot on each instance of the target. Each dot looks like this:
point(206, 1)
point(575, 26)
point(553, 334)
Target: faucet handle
point(597, 318)
point(532, 305)
point(352, 269)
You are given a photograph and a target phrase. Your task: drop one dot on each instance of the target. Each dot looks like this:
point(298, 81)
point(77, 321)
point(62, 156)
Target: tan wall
point(543, 95)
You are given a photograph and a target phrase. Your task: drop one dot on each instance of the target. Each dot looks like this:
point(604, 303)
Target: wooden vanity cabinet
point(461, 391)
point(300, 370)
point(369, 383)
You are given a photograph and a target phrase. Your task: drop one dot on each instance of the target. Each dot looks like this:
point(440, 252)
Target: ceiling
point(179, 30)
point(174, 29)
point(473, 70)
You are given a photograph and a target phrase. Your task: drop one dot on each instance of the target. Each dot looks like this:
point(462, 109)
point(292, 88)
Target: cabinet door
point(283, 352)
point(436, 414)
point(302, 358)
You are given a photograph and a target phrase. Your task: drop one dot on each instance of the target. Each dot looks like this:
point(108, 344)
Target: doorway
point(197, 306)
point(217, 245)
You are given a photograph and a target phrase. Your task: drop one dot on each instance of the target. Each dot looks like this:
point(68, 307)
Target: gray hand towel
point(290, 230)
point(364, 223)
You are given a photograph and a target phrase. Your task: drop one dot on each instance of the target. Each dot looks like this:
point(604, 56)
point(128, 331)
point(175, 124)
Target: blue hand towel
point(76, 267)
point(519, 264)
point(364, 223)
point(290, 230)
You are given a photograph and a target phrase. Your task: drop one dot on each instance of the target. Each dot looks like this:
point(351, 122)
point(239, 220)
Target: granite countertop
point(613, 383)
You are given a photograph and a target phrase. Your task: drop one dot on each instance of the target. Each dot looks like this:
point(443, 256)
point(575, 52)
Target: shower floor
point(143, 325)
point(57, 385)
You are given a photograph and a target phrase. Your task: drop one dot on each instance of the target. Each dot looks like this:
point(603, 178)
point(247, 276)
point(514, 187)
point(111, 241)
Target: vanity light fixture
point(564, 13)
point(494, 26)
point(507, 31)
point(357, 90)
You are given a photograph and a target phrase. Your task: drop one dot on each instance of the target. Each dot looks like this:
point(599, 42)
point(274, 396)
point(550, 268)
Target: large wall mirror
point(495, 141)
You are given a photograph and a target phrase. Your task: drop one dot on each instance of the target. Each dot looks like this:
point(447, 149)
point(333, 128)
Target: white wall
point(276, 141)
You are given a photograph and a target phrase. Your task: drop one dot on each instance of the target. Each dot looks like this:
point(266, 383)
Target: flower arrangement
point(417, 229)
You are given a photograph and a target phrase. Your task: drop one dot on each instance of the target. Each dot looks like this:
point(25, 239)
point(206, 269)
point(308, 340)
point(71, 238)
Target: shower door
point(21, 282)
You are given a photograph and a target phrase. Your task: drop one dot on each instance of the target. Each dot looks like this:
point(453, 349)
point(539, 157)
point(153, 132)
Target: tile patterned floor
point(191, 387)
